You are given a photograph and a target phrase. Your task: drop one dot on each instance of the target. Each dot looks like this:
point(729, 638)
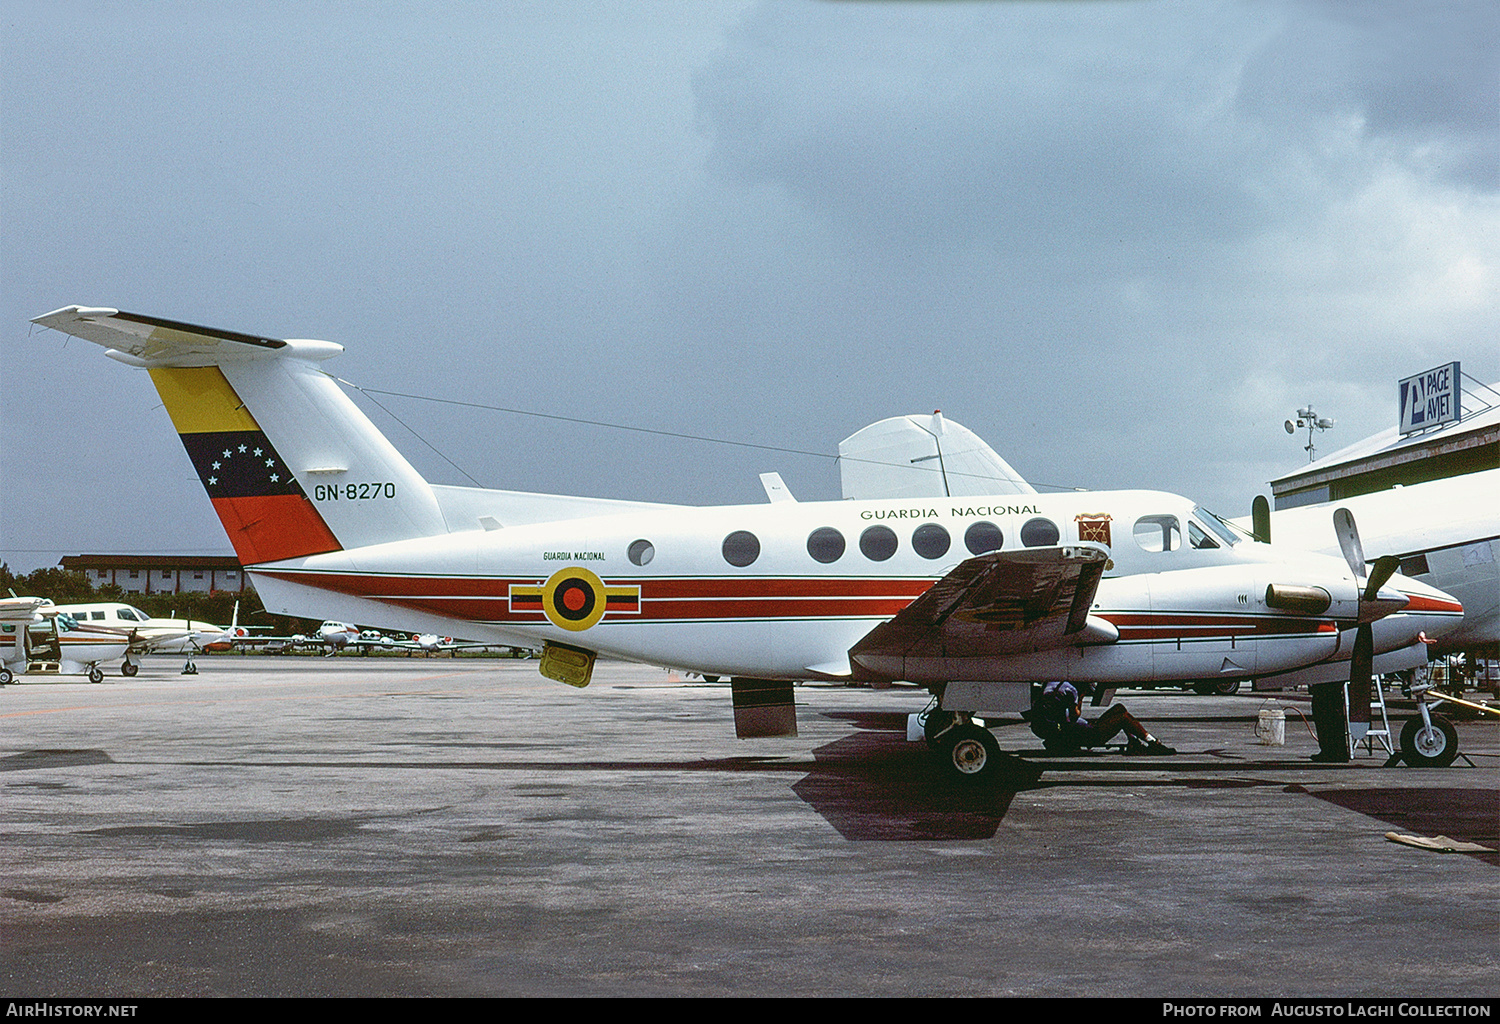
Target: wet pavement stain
point(304, 830)
point(31, 760)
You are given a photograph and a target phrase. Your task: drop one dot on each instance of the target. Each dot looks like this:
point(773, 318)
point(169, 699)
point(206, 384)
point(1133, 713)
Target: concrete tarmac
point(366, 826)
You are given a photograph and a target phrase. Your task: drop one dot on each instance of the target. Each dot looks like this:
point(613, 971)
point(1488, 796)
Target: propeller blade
point(1348, 535)
point(1361, 686)
point(1381, 571)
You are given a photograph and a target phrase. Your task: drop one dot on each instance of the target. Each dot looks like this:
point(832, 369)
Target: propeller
point(1372, 606)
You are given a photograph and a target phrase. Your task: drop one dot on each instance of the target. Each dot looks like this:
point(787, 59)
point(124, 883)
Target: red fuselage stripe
point(727, 599)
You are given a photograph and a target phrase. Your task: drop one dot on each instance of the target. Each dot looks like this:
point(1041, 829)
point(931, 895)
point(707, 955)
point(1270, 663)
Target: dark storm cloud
point(1121, 241)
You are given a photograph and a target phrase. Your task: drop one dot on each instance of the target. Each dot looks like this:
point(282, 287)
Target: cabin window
point(96, 616)
point(931, 541)
point(982, 537)
point(1039, 533)
point(878, 543)
point(1158, 533)
point(825, 544)
point(741, 548)
point(641, 552)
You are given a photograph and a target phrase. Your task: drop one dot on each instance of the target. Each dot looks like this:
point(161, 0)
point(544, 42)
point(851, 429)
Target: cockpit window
point(1198, 538)
point(128, 614)
point(1158, 533)
point(1223, 529)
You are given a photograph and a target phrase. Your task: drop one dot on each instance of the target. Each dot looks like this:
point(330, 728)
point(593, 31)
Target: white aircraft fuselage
point(975, 598)
point(1180, 614)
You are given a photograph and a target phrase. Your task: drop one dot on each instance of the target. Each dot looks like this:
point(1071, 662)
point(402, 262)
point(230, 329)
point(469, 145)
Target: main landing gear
point(968, 752)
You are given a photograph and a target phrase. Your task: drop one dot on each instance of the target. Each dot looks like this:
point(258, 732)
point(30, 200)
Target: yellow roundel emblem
point(573, 598)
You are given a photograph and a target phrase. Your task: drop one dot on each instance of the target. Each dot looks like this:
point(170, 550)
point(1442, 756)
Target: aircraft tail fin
point(923, 456)
point(292, 466)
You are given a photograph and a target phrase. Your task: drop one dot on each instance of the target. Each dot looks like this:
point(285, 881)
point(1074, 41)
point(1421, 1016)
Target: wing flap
point(1003, 602)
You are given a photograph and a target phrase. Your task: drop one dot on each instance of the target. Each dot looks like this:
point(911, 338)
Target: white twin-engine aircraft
point(972, 598)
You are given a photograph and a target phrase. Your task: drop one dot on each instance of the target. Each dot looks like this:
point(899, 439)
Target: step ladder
point(1380, 723)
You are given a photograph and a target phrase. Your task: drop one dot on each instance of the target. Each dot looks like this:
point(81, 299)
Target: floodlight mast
point(1310, 419)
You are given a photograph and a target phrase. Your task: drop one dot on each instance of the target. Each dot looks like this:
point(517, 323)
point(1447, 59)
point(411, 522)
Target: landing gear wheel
point(6, 677)
point(1424, 747)
point(128, 669)
point(970, 753)
point(96, 675)
point(935, 727)
point(1216, 687)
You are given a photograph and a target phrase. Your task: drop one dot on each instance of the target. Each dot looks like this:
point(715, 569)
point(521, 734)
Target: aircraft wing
point(21, 609)
point(1000, 603)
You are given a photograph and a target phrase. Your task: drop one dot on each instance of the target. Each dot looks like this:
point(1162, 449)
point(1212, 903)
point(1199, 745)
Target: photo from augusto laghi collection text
point(1263, 1008)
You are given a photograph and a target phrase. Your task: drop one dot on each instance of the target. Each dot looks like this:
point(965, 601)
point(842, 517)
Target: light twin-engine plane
point(38, 637)
point(973, 598)
point(147, 635)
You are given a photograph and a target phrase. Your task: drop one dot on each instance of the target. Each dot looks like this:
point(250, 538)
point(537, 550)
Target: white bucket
point(1270, 727)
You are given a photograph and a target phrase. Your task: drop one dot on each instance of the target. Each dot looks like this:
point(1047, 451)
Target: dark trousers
point(1330, 718)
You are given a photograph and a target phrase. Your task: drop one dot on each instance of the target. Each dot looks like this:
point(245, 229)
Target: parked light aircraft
point(37, 636)
point(973, 598)
point(335, 636)
point(146, 634)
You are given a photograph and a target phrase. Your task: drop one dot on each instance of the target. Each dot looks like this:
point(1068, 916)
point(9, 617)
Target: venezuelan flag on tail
point(260, 502)
point(293, 467)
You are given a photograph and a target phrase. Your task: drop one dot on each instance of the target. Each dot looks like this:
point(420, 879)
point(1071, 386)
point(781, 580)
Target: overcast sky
point(1122, 241)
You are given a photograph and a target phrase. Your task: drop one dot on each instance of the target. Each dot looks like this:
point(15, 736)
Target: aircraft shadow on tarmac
point(1470, 815)
point(873, 784)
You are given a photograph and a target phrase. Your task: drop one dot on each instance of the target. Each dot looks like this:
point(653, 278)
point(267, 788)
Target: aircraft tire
point(95, 675)
point(970, 753)
point(6, 677)
point(1422, 747)
point(127, 669)
point(1216, 687)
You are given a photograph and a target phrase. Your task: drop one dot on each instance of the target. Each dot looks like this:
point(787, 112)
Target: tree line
point(217, 607)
